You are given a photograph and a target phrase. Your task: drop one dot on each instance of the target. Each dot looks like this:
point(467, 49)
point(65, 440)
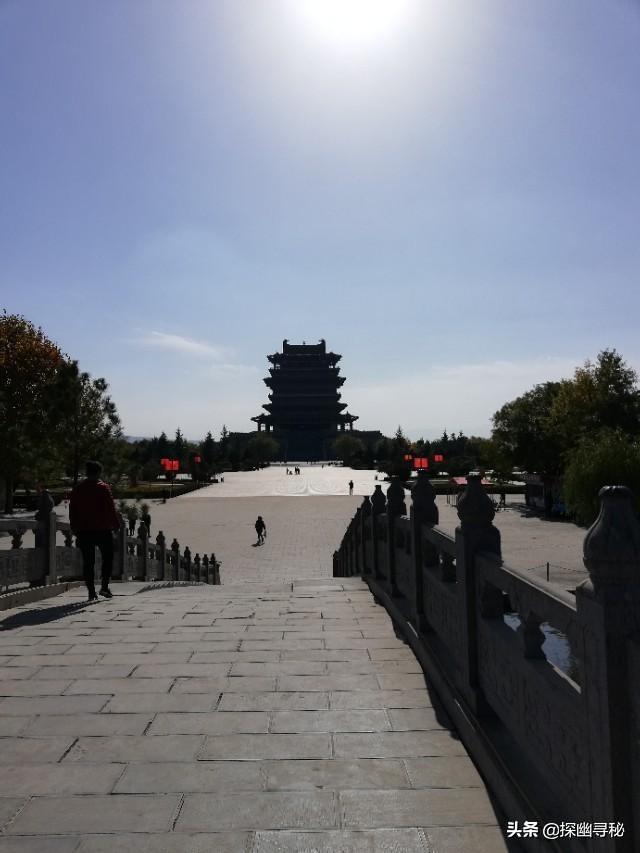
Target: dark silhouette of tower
point(304, 411)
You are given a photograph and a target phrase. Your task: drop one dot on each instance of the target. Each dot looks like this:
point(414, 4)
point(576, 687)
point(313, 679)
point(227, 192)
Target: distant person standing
point(350, 487)
point(45, 508)
point(93, 518)
point(261, 530)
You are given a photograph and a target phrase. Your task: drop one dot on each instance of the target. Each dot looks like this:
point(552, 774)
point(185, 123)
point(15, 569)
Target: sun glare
point(353, 23)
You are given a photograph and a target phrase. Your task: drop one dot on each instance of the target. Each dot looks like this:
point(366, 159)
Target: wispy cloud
point(182, 344)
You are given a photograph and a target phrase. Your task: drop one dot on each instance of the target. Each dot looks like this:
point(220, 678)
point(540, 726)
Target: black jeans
point(88, 541)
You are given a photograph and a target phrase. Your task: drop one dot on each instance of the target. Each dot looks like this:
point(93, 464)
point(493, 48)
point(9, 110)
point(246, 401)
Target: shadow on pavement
point(41, 615)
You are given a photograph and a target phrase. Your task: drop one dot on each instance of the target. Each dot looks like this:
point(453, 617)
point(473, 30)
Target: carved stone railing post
point(356, 535)
point(205, 569)
point(336, 564)
point(423, 512)
point(608, 607)
point(365, 515)
point(196, 567)
point(186, 563)
point(16, 538)
point(175, 560)
point(396, 507)
point(50, 567)
point(475, 533)
point(143, 552)
point(161, 555)
point(215, 566)
point(120, 556)
point(378, 503)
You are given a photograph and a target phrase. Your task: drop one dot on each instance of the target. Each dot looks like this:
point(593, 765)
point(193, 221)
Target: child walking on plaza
point(261, 530)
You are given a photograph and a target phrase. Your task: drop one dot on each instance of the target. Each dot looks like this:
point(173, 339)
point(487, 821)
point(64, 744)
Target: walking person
point(261, 530)
point(350, 487)
point(93, 518)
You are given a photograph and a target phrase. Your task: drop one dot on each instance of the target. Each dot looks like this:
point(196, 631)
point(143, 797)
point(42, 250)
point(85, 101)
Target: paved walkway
point(262, 718)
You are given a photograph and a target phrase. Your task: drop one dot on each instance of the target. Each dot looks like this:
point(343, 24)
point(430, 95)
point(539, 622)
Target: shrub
point(610, 458)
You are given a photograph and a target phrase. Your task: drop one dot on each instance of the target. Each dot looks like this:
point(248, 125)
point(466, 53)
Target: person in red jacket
point(93, 518)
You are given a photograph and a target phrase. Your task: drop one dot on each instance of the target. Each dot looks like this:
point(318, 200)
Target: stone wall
point(555, 743)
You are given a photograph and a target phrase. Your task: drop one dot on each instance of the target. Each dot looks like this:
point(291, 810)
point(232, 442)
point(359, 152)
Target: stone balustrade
point(554, 743)
point(55, 558)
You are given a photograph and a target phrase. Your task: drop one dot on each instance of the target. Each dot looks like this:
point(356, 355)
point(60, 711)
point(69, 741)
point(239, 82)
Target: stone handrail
point(135, 558)
point(556, 743)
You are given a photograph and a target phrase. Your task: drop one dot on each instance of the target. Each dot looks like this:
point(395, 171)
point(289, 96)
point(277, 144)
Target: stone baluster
point(205, 569)
point(161, 555)
point(196, 567)
point(68, 538)
point(608, 608)
point(143, 552)
point(378, 503)
point(423, 512)
point(357, 542)
point(475, 533)
point(215, 566)
point(186, 562)
point(353, 570)
point(365, 515)
point(50, 574)
point(120, 555)
point(16, 538)
point(396, 507)
point(175, 560)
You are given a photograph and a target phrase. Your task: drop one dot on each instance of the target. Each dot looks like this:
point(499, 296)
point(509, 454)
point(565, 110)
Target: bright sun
point(353, 23)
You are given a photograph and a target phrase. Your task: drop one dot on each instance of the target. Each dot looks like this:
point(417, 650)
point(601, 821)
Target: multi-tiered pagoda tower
point(304, 411)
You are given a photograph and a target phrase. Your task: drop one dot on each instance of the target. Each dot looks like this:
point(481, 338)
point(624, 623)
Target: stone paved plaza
point(306, 517)
point(256, 717)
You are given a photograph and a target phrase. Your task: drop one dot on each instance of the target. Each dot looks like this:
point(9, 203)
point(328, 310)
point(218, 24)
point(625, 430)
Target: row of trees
point(230, 451)
point(461, 453)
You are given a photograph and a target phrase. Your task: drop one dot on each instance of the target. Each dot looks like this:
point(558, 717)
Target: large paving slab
point(308, 727)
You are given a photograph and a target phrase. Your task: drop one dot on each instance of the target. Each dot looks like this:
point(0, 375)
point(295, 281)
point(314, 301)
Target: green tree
point(29, 362)
point(179, 446)
point(261, 448)
point(603, 395)
point(162, 449)
point(609, 458)
point(523, 434)
point(348, 449)
point(208, 450)
point(396, 449)
point(88, 425)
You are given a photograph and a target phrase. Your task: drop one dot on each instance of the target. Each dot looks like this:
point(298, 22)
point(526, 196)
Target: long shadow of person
point(41, 615)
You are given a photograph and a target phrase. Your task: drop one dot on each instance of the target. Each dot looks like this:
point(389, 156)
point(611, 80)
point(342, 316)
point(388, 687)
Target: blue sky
point(453, 203)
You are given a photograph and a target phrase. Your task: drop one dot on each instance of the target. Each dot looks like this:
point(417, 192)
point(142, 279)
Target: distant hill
point(132, 438)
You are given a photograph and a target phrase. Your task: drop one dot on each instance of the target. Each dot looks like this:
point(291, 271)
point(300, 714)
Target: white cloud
point(182, 344)
point(453, 397)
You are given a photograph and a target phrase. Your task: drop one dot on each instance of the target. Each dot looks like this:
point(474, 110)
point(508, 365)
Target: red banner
point(421, 462)
point(438, 457)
